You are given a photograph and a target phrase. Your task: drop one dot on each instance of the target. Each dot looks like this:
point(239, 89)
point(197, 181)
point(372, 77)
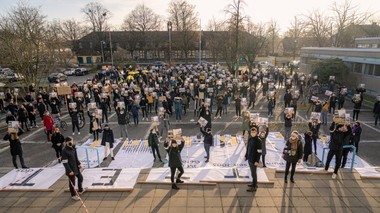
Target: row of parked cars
point(57, 77)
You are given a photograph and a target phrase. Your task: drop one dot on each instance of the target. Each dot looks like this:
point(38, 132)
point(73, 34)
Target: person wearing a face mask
point(107, 141)
point(254, 150)
point(94, 125)
point(338, 136)
point(356, 133)
point(314, 126)
point(292, 154)
point(175, 160)
point(74, 113)
point(72, 167)
point(49, 125)
point(122, 113)
point(154, 143)
point(208, 141)
point(57, 141)
point(15, 147)
point(263, 136)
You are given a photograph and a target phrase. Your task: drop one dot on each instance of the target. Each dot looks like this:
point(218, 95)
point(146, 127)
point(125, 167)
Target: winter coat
point(121, 116)
point(57, 138)
point(337, 140)
point(70, 160)
point(263, 142)
point(174, 154)
point(107, 137)
point(314, 129)
point(48, 122)
point(22, 115)
point(308, 144)
point(208, 138)
point(245, 124)
point(153, 139)
point(15, 144)
point(356, 133)
point(254, 149)
point(376, 108)
point(293, 156)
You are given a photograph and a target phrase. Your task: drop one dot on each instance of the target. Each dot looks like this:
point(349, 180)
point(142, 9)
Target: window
point(358, 67)
point(368, 69)
point(377, 70)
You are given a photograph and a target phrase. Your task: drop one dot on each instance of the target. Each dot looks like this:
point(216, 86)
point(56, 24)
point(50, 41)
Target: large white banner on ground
point(30, 179)
point(91, 153)
point(197, 175)
point(110, 178)
point(134, 154)
point(370, 172)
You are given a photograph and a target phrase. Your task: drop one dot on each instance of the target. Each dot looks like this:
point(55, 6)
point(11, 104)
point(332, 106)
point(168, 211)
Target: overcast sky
point(283, 11)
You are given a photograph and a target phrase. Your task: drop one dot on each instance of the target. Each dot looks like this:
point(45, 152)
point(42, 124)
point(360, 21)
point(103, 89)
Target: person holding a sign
point(357, 100)
point(175, 160)
point(49, 124)
point(22, 114)
point(253, 153)
point(74, 119)
point(208, 141)
point(376, 110)
point(107, 141)
point(104, 108)
point(122, 120)
point(57, 141)
point(15, 146)
point(72, 166)
point(94, 125)
point(263, 137)
point(154, 143)
point(292, 154)
point(314, 127)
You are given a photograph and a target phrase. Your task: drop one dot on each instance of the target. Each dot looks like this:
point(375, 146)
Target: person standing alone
point(253, 156)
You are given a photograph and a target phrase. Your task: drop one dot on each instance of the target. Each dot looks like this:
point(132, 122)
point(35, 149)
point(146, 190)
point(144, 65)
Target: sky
point(262, 11)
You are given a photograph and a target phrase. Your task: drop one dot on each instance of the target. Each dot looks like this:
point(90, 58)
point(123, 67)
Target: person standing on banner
point(107, 141)
point(347, 141)
point(263, 137)
point(292, 154)
point(122, 120)
point(154, 143)
point(49, 125)
point(72, 167)
point(308, 146)
point(208, 141)
point(74, 119)
point(175, 160)
point(246, 122)
point(338, 135)
point(57, 141)
point(15, 147)
point(94, 125)
point(314, 126)
point(254, 150)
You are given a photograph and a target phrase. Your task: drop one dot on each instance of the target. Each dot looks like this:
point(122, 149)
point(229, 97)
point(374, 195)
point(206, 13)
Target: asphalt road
point(38, 152)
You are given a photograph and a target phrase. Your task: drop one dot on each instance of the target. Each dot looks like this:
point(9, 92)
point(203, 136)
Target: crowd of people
point(169, 92)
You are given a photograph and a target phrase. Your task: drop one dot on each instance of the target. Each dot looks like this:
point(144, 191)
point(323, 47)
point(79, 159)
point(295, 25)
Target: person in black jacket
point(292, 154)
point(175, 160)
point(208, 141)
point(154, 143)
point(22, 114)
point(376, 111)
point(107, 141)
point(15, 147)
point(122, 120)
point(347, 141)
point(253, 154)
point(357, 107)
point(72, 167)
point(308, 146)
point(314, 126)
point(287, 98)
point(74, 119)
point(103, 107)
point(10, 117)
point(338, 136)
point(57, 141)
point(263, 137)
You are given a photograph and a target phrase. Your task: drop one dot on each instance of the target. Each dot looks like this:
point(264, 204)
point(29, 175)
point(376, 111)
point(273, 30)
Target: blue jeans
point(178, 114)
point(207, 148)
point(324, 117)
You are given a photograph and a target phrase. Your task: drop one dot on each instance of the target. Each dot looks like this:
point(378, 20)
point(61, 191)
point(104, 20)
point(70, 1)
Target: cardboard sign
point(104, 95)
point(341, 113)
point(263, 121)
point(210, 90)
point(162, 98)
point(219, 82)
point(155, 121)
point(91, 106)
point(288, 81)
point(315, 116)
point(314, 98)
point(63, 90)
point(332, 78)
point(72, 105)
point(79, 94)
point(357, 98)
point(328, 93)
point(255, 117)
point(202, 121)
point(229, 85)
point(343, 91)
point(52, 95)
point(115, 86)
point(296, 94)
point(2, 95)
point(289, 110)
point(244, 101)
point(202, 86)
point(125, 85)
point(121, 104)
point(201, 95)
point(362, 86)
point(13, 126)
point(177, 134)
point(105, 89)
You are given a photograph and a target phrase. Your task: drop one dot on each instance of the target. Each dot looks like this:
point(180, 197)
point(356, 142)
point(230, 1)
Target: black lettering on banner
point(235, 173)
point(113, 178)
point(25, 182)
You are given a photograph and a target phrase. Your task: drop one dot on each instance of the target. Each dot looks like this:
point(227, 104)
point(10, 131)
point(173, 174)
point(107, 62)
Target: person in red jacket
point(49, 125)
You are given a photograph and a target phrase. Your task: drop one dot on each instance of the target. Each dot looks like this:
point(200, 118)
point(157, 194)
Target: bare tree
point(235, 11)
point(319, 27)
point(273, 32)
point(142, 19)
point(344, 16)
point(185, 22)
point(294, 35)
point(24, 43)
point(97, 15)
point(255, 40)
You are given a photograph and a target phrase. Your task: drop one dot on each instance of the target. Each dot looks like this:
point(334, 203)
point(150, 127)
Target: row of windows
point(193, 54)
point(366, 69)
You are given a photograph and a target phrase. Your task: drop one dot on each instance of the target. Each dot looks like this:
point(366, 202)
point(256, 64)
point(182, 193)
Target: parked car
point(69, 71)
point(57, 77)
point(81, 71)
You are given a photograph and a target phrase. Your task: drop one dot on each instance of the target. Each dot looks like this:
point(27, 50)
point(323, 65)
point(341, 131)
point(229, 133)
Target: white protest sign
point(31, 179)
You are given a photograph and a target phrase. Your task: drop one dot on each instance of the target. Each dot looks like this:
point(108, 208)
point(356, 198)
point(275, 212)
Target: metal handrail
point(353, 149)
point(87, 148)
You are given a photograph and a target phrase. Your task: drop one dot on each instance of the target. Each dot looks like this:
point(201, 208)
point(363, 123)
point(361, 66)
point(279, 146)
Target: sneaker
point(112, 158)
point(75, 198)
point(78, 133)
point(105, 158)
point(83, 191)
point(206, 161)
point(73, 133)
point(333, 176)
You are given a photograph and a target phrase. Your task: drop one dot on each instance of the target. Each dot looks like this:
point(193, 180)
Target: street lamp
point(170, 41)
